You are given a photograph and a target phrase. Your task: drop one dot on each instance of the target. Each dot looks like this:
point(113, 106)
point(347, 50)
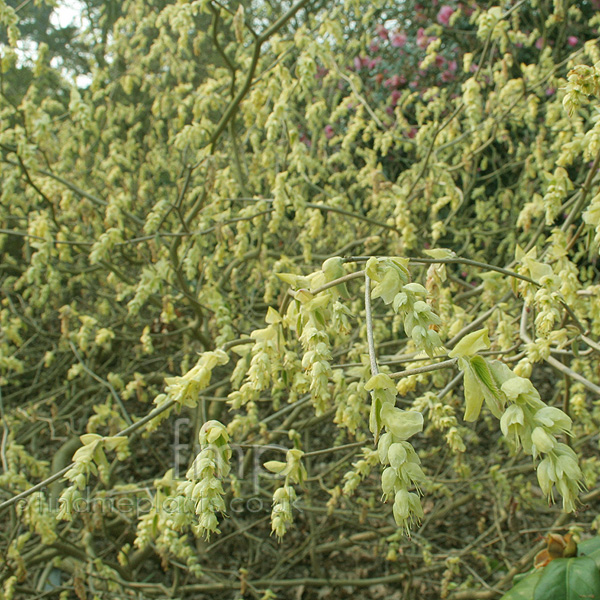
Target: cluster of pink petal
point(398, 39)
point(394, 81)
point(365, 61)
point(443, 16)
point(382, 32)
point(423, 40)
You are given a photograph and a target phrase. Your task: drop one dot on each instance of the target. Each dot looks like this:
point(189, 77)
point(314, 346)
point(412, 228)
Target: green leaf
point(372, 268)
point(381, 381)
point(590, 548)
point(473, 395)
point(272, 316)
point(569, 579)
point(115, 441)
point(388, 287)
point(415, 288)
point(494, 397)
point(483, 372)
point(471, 344)
point(333, 268)
point(275, 466)
point(293, 279)
point(375, 416)
point(440, 253)
point(525, 588)
point(87, 439)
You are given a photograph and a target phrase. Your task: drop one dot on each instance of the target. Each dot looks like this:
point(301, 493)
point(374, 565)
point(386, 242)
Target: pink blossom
point(539, 43)
point(412, 133)
point(395, 96)
point(394, 81)
point(329, 132)
point(374, 47)
point(443, 16)
point(364, 61)
point(422, 39)
point(550, 91)
point(382, 32)
point(572, 40)
point(398, 39)
point(374, 62)
point(439, 60)
point(452, 66)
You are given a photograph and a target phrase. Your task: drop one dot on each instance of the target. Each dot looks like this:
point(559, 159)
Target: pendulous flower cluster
point(524, 418)
point(203, 486)
point(391, 284)
point(285, 496)
point(403, 471)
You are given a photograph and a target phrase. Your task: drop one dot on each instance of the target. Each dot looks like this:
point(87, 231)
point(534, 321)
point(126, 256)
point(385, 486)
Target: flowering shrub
point(299, 298)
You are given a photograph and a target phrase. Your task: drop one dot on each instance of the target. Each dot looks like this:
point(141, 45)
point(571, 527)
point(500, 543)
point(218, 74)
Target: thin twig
point(137, 425)
point(556, 363)
point(369, 324)
point(104, 383)
point(425, 369)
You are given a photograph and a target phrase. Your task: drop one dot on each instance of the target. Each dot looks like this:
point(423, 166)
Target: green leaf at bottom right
point(569, 579)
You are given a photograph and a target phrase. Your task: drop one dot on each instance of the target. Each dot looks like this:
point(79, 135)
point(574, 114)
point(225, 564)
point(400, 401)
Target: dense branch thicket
point(320, 278)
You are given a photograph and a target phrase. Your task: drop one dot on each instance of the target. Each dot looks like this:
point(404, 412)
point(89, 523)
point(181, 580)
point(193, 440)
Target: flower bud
point(554, 419)
point(383, 447)
point(542, 440)
point(401, 506)
point(388, 480)
point(397, 455)
point(512, 420)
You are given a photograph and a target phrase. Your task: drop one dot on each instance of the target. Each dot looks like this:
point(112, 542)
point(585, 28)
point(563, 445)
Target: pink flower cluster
point(422, 40)
point(394, 81)
point(397, 39)
point(448, 74)
point(365, 61)
point(444, 14)
point(382, 32)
